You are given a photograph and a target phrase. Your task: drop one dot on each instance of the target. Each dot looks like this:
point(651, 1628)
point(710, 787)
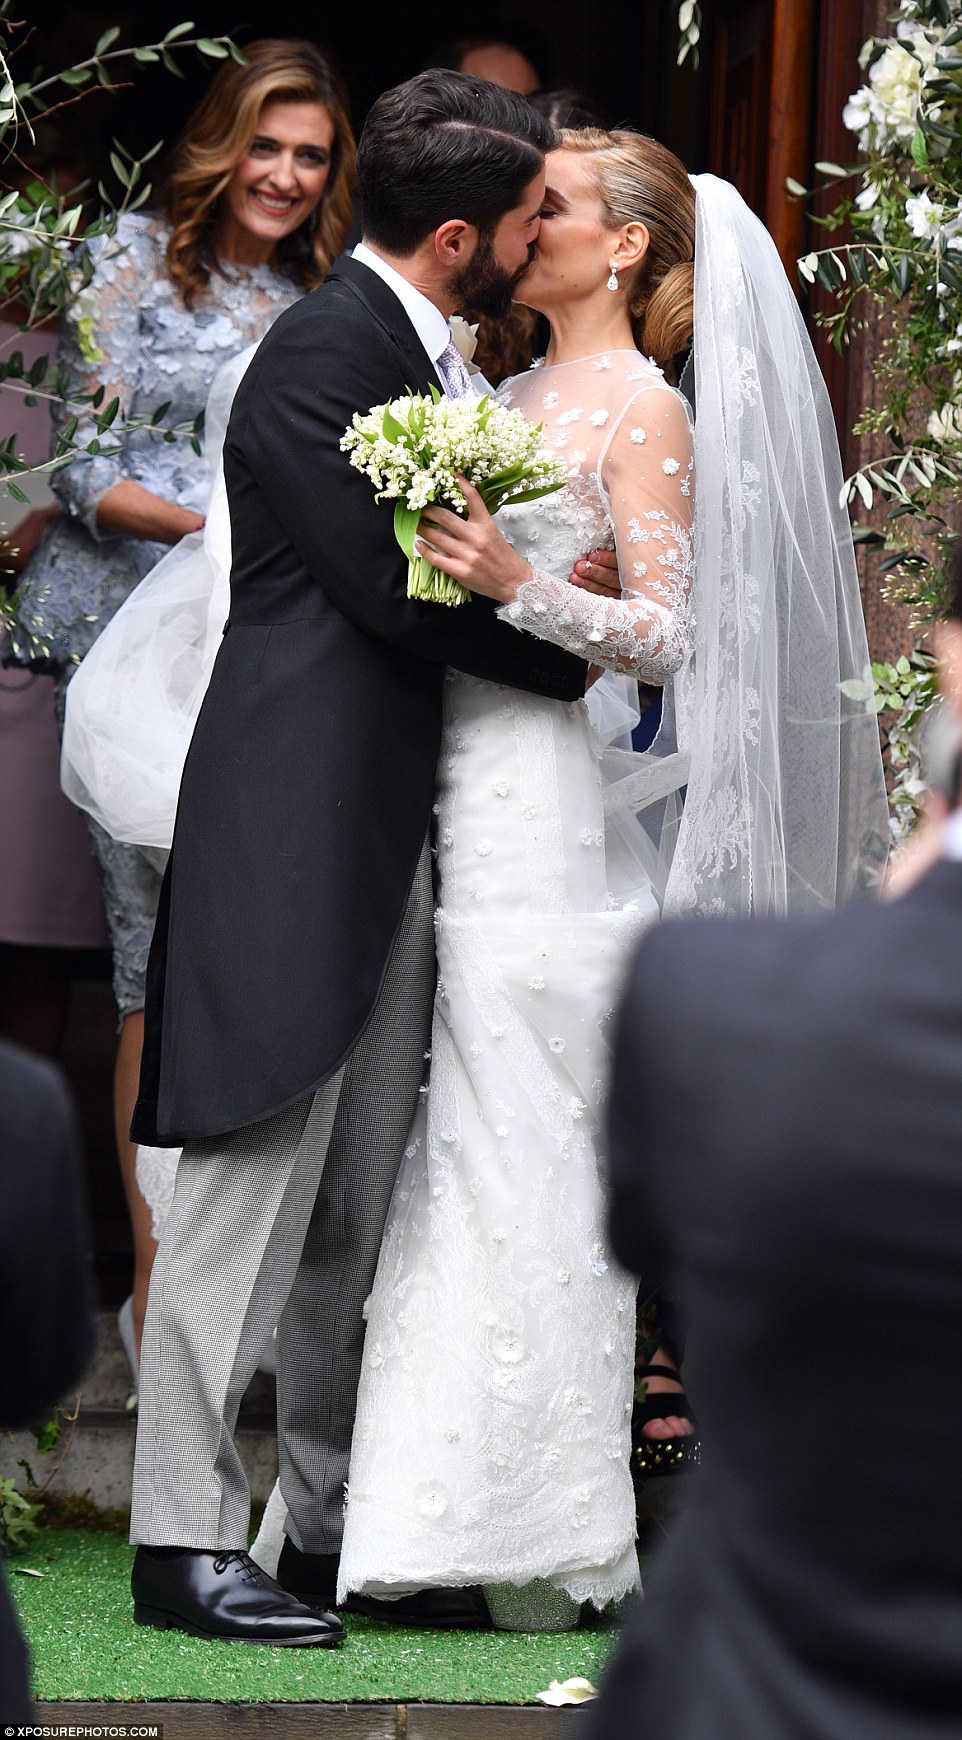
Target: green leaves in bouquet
point(406, 527)
point(503, 486)
point(517, 496)
point(393, 430)
point(425, 582)
point(495, 490)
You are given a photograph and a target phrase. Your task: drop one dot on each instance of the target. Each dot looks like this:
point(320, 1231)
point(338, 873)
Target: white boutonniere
point(465, 339)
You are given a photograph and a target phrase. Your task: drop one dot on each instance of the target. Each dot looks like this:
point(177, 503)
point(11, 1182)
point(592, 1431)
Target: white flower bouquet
point(413, 451)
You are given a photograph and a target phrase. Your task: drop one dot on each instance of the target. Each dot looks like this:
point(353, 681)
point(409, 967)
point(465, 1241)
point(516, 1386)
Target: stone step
point(107, 1386)
point(98, 1464)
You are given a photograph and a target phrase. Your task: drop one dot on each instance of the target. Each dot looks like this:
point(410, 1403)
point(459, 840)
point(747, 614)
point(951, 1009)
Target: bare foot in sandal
point(667, 1425)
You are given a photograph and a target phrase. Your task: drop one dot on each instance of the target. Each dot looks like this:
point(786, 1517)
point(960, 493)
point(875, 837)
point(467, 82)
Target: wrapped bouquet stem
point(415, 448)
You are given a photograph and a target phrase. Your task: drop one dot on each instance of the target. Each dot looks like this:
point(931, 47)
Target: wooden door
point(763, 106)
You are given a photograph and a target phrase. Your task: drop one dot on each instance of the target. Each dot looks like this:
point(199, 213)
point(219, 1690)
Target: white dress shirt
point(428, 321)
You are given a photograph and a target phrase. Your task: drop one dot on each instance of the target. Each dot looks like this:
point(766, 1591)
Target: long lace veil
point(785, 807)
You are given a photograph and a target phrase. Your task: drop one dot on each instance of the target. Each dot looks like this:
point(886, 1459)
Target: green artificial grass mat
point(85, 1646)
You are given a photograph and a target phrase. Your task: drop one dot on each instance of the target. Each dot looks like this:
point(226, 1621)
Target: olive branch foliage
point(46, 262)
point(689, 31)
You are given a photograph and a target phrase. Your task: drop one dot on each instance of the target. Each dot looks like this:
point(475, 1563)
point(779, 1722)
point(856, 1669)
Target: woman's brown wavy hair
point(640, 181)
point(217, 137)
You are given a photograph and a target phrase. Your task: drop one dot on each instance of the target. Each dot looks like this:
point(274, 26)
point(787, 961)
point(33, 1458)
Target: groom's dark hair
point(441, 146)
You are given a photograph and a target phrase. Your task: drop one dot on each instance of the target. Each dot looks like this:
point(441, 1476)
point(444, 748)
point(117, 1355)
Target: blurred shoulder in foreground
point(45, 1290)
point(46, 1322)
point(786, 1150)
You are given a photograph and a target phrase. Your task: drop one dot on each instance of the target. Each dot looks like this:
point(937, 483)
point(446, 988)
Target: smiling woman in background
point(256, 206)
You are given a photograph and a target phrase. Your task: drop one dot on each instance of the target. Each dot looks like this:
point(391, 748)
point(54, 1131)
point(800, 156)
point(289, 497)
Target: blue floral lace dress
point(131, 332)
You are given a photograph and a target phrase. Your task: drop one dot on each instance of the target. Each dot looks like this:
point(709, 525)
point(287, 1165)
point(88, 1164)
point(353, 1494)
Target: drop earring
point(613, 277)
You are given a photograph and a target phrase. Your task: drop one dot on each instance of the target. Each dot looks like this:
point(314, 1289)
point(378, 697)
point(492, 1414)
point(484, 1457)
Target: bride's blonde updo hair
point(639, 181)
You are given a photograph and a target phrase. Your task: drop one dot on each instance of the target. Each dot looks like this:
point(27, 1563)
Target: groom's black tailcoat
point(308, 788)
point(786, 1143)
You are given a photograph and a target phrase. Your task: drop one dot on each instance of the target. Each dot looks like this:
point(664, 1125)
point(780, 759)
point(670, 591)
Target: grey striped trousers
point(279, 1223)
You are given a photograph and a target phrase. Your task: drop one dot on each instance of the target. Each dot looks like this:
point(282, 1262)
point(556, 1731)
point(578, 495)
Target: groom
point(292, 972)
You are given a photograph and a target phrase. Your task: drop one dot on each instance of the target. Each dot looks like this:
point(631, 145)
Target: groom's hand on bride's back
point(597, 572)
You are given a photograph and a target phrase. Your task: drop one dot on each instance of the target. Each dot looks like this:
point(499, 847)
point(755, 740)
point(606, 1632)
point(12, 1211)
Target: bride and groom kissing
point(300, 974)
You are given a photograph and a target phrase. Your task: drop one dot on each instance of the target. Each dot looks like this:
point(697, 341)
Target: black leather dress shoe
point(312, 1577)
point(443, 1609)
point(223, 1595)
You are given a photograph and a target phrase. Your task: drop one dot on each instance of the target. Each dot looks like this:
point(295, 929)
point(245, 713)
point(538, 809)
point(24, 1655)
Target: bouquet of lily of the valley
point(414, 449)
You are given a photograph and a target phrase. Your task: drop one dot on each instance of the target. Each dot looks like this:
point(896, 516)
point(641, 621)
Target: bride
point(491, 1442)
point(492, 1436)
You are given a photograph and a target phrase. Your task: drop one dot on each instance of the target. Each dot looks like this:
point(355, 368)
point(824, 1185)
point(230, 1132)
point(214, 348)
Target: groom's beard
point(484, 286)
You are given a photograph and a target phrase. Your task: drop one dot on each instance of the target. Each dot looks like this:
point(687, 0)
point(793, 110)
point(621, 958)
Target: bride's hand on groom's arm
point(472, 549)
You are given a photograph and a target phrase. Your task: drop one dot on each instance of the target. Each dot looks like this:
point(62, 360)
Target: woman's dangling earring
point(613, 277)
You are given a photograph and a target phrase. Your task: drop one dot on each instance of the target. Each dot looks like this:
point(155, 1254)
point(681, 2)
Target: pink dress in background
point(49, 888)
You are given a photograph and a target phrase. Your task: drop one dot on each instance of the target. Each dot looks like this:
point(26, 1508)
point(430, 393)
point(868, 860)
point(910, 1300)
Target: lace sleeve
point(100, 346)
point(646, 473)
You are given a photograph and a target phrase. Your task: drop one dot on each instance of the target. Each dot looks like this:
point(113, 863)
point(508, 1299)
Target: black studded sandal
point(662, 1455)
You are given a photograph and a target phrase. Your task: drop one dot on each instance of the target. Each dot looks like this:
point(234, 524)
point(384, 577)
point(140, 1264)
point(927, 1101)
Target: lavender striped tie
point(453, 371)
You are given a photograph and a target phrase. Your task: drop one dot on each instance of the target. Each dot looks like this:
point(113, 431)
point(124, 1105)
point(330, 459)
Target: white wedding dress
point(492, 1436)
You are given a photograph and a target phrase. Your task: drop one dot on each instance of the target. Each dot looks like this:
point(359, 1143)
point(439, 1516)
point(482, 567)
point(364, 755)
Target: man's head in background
point(488, 57)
